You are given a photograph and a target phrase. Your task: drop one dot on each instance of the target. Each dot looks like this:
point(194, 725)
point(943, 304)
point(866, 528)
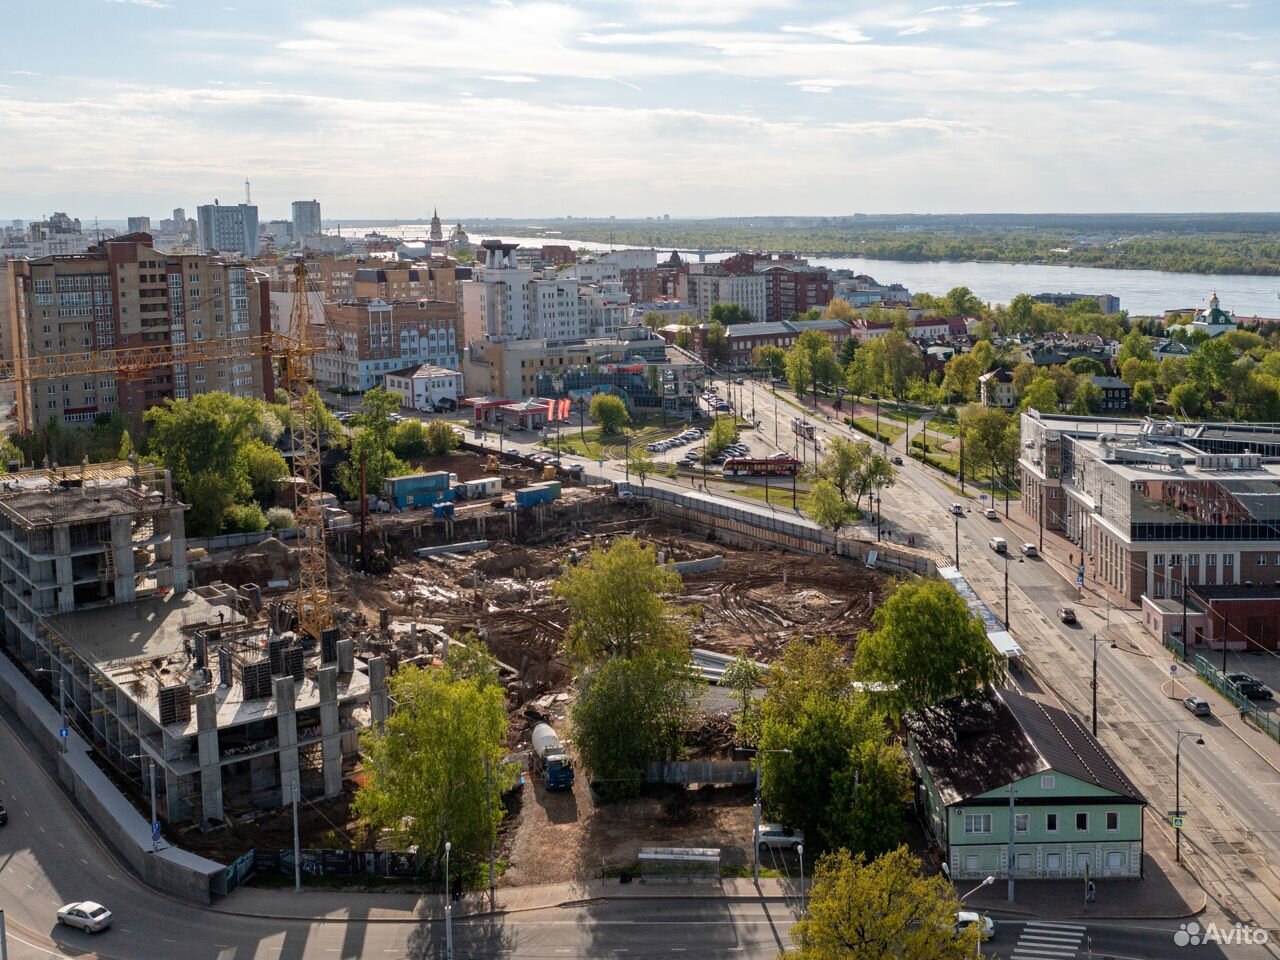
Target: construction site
point(488, 576)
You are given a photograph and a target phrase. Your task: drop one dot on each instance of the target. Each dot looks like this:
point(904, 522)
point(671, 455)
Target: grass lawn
point(888, 432)
point(780, 497)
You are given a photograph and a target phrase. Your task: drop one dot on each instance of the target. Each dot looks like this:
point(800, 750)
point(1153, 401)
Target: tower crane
point(295, 352)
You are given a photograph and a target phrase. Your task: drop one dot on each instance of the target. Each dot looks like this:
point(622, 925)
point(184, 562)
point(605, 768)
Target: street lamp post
point(1006, 593)
point(879, 501)
point(1226, 632)
point(803, 899)
point(297, 842)
point(756, 809)
point(985, 883)
point(499, 418)
point(1177, 788)
point(1094, 682)
point(626, 454)
point(62, 701)
point(448, 905)
point(155, 821)
point(956, 518)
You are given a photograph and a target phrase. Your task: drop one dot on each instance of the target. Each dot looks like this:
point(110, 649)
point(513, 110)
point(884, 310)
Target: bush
point(244, 518)
point(280, 518)
point(440, 438)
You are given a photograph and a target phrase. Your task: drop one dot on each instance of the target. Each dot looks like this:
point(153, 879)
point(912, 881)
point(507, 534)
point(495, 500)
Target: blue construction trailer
point(417, 490)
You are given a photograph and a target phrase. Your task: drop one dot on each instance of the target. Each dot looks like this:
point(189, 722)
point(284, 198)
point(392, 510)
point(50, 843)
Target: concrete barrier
point(705, 565)
point(126, 831)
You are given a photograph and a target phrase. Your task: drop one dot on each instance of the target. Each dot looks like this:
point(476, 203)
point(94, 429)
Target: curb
point(499, 912)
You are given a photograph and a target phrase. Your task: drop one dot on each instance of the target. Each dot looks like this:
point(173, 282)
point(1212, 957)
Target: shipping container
point(419, 489)
point(480, 489)
point(538, 493)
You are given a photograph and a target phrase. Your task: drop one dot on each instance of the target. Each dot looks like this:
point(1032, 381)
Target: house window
point(1021, 822)
point(1228, 559)
point(1115, 860)
point(1210, 559)
point(977, 823)
point(1048, 781)
point(1113, 821)
point(1193, 559)
point(1083, 863)
point(1159, 591)
point(1158, 560)
point(1175, 559)
point(1024, 861)
point(1053, 493)
point(1053, 861)
point(971, 863)
point(1082, 822)
point(1050, 823)
point(1262, 559)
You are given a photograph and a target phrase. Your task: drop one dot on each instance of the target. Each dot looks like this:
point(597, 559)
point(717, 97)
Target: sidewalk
point(339, 906)
point(1166, 891)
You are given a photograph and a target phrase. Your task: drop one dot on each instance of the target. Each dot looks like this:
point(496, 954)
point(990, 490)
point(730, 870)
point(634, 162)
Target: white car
point(971, 918)
point(778, 837)
point(85, 915)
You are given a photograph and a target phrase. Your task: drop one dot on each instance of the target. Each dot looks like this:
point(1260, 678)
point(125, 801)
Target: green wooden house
point(1074, 813)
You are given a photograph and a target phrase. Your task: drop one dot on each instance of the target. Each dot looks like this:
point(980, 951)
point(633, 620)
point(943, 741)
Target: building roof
point(1234, 591)
point(1000, 375)
point(425, 370)
point(973, 745)
point(1110, 383)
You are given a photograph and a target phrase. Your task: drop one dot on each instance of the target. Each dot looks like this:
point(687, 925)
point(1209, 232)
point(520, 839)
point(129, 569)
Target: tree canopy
point(926, 645)
point(610, 411)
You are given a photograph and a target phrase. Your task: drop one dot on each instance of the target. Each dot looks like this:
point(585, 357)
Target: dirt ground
point(757, 601)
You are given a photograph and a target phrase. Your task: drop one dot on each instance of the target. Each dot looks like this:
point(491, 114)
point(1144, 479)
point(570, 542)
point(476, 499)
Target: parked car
point(739, 381)
point(651, 447)
point(1029, 550)
point(778, 837)
point(971, 918)
point(1198, 706)
point(85, 915)
point(990, 513)
point(896, 459)
point(779, 456)
point(957, 509)
point(1066, 614)
point(1255, 691)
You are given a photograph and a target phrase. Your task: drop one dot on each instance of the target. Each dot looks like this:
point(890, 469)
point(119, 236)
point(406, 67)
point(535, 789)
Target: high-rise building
point(228, 229)
point(139, 225)
point(306, 219)
point(179, 213)
point(638, 271)
point(508, 302)
point(125, 293)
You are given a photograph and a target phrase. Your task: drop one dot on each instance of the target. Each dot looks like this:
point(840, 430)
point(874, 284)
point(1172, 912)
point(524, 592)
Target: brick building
point(368, 339)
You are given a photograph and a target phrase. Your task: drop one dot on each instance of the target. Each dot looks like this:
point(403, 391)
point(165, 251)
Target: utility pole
point(155, 818)
point(1012, 856)
point(448, 905)
point(297, 843)
point(364, 517)
point(1226, 632)
point(961, 432)
point(488, 796)
point(1006, 593)
point(62, 704)
point(956, 518)
point(4, 939)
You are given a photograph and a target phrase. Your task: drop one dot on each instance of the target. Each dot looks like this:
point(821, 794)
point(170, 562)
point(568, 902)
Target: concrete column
point(209, 754)
point(121, 548)
point(287, 732)
point(62, 577)
point(180, 575)
point(346, 657)
point(173, 807)
point(329, 730)
point(378, 691)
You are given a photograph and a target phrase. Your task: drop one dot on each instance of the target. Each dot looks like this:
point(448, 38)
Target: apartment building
point(638, 271)
point(1155, 504)
point(702, 291)
point(125, 293)
point(434, 280)
point(306, 219)
point(792, 285)
point(231, 229)
point(368, 339)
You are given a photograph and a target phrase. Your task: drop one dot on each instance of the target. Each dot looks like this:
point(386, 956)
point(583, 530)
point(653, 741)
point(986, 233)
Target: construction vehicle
point(294, 353)
point(549, 759)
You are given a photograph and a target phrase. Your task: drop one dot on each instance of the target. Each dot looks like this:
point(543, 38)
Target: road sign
point(155, 831)
point(1080, 580)
point(982, 496)
point(64, 733)
point(1177, 822)
point(1173, 669)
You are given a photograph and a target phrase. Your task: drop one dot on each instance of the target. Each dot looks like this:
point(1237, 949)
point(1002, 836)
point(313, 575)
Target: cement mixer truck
point(550, 760)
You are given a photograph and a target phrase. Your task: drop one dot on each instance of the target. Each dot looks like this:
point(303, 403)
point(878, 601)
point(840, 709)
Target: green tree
point(842, 463)
point(610, 411)
point(372, 444)
point(743, 675)
point(425, 769)
point(1144, 396)
point(1020, 315)
point(902, 361)
point(961, 377)
point(641, 464)
point(684, 338)
point(990, 440)
point(244, 518)
point(1134, 346)
point(1086, 367)
point(629, 712)
point(800, 372)
point(840, 309)
point(962, 302)
point(727, 314)
point(263, 467)
point(1041, 394)
point(770, 358)
point(875, 473)
point(1186, 400)
point(1133, 370)
point(126, 447)
point(211, 494)
point(716, 342)
point(984, 355)
point(848, 348)
point(723, 432)
point(927, 645)
point(875, 790)
point(409, 439)
point(615, 602)
point(441, 438)
point(885, 908)
point(1088, 398)
point(827, 507)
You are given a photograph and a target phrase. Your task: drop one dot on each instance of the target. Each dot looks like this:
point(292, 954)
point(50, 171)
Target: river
point(1141, 292)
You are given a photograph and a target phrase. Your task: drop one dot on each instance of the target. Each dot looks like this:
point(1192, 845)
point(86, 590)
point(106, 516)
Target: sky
point(389, 108)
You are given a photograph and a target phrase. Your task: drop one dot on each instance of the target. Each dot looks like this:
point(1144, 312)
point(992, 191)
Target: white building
point(554, 313)
point(605, 307)
point(222, 229)
point(706, 290)
point(426, 387)
point(596, 271)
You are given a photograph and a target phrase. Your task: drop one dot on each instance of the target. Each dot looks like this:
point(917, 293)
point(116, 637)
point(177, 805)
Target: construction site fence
point(1174, 643)
point(879, 556)
point(1249, 711)
point(684, 772)
point(230, 540)
point(318, 863)
point(733, 523)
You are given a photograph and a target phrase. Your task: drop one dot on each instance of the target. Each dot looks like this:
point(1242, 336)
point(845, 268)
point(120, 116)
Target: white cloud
point(509, 78)
point(149, 4)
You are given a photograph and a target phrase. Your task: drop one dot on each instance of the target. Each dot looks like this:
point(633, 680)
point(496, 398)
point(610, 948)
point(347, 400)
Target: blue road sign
point(64, 733)
point(155, 831)
point(1080, 580)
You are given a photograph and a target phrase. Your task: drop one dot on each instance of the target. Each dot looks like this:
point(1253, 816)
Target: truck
point(550, 760)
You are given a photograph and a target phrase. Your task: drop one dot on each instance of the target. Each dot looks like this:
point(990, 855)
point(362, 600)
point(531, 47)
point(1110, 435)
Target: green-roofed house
point(1075, 814)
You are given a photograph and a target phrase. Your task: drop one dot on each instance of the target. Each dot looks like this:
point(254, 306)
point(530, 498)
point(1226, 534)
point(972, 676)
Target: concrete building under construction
point(207, 690)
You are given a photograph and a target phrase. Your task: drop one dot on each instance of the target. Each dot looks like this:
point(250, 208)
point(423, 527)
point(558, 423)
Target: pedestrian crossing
point(1042, 940)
